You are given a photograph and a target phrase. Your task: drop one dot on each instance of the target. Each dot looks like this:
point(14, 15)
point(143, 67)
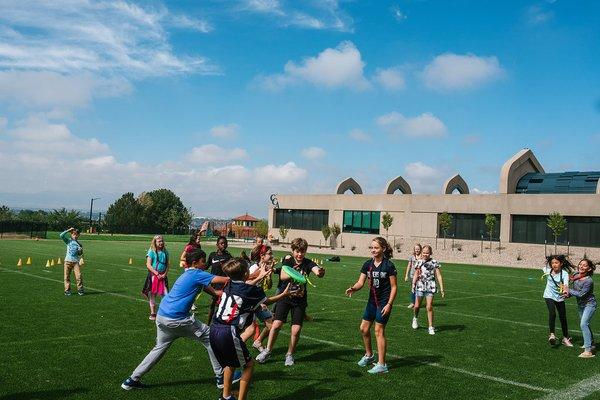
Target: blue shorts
point(419, 293)
point(230, 350)
point(263, 314)
point(373, 313)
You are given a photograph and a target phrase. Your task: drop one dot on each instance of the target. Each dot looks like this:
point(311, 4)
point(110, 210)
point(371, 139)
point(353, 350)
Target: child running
point(72, 259)
point(235, 313)
point(157, 263)
point(424, 284)
point(557, 272)
point(175, 321)
point(216, 259)
point(381, 273)
point(296, 304)
point(583, 290)
point(410, 271)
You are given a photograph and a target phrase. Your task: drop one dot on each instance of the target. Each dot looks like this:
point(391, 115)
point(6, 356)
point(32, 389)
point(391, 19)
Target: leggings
point(562, 315)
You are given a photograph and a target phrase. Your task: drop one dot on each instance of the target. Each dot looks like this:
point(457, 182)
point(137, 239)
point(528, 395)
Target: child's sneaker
point(80, 292)
point(411, 305)
point(67, 292)
point(431, 330)
point(258, 346)
point(194, 308)
point(263, 356)
point(232, 397)
point(593, 347)
point(567, 342)
point(415, 323)
point(552, 340)
point(366, 360)
point(289, 360)
point(587, 354)
point(378, 369)
point(152, 317)
point(129, 384)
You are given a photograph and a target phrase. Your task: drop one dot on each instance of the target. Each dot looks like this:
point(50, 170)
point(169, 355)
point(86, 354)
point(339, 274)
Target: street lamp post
point(91, 208)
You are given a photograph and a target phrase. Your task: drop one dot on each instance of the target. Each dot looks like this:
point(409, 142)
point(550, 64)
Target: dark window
point(471, 227)
point(362, 222)
point(309, 220)
point(581, 231)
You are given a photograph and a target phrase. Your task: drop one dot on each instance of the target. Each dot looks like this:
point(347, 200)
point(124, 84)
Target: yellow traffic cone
point(81, 262)
point(130, 261)
point(48, 264)
point(59, 261)
point(20, 263)
point(52, 262)
point(28, 261)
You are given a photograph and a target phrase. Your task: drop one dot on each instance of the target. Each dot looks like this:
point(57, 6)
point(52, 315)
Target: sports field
point(491, 340)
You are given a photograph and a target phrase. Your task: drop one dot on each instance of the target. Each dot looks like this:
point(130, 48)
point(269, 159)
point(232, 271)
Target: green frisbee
point(293, 274)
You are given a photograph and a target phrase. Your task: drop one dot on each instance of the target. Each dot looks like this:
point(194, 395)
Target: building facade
point(527, 195)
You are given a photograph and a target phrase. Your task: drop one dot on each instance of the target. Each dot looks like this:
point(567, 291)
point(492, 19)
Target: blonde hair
point(420, 248)
point(153, 243)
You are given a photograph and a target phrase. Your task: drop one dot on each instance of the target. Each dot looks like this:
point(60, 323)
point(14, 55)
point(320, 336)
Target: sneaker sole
point(125, 387)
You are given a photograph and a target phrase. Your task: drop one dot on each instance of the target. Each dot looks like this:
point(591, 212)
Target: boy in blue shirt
point(174, 319)
point(72, 259)
point(235, 312)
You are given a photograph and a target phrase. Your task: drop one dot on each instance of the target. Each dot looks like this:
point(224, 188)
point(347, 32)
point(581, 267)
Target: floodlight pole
point(91, 208)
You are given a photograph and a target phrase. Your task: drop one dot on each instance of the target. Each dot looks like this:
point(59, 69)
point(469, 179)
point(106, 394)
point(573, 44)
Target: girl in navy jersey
point(380, 273)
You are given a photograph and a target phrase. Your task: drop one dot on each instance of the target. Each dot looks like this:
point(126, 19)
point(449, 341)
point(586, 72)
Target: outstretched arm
point(358, 285)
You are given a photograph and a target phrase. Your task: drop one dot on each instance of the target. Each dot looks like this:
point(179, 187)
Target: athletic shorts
point(419, 293)
point(373, 313)
point(230, 350)
point(284, 307)
point(263, 314)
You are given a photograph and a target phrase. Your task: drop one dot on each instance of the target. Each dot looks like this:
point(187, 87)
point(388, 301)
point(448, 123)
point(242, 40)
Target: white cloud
point(185, 22)
point(390, 78)
point(424, 125)
point(455, 72)
point(332, 68)
point(479, 191)
point(538, 15)
point(398, 14)
point(228, 131)
point(286, 174)
point(359, 135)
point(424, 178)
point(313, 153)
point(213, 154)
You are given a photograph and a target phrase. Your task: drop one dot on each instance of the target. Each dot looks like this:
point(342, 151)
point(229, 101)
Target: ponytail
point(388, 252)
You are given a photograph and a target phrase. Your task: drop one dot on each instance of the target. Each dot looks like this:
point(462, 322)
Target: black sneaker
point(67, 292)
point(80, 292)
point(129, 384)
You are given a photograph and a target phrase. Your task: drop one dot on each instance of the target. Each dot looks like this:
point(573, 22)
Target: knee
point(296, 329)
point(276, 326)
point(365, 330)
point(430, 307)
point(379, 331)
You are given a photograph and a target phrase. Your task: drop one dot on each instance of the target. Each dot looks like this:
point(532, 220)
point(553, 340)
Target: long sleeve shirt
point(74, 249)
point(583, 289)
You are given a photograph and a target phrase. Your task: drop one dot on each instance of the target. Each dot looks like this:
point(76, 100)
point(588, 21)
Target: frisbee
point(293, 274)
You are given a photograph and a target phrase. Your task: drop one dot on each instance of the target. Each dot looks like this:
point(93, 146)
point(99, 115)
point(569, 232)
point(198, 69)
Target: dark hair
point(193, 240)
point(562, 259)
point(590, 264)
point(222, 238)
point(255, 253)
point(236, 268)
point(195, 256)
point(388, 252)
point(244, 256)
point(299, 244)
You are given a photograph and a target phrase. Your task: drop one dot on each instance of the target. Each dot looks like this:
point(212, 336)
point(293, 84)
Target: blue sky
point(226, 102)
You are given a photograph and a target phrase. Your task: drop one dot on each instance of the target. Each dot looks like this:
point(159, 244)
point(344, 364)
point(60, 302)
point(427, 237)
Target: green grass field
point(491, 340)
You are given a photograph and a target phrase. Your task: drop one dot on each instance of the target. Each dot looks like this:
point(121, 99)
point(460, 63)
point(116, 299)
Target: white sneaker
point(567, 342)
point(411, 305)
point(263, 356)
point(289, 360)
point(415, 323)
point(431, 330)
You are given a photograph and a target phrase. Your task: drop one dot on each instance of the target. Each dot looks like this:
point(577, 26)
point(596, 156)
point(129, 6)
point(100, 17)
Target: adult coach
point(72, 258)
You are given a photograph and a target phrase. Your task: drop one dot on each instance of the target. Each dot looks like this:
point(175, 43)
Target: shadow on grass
point(443, 328)
point(413, 361)
point(46, 394)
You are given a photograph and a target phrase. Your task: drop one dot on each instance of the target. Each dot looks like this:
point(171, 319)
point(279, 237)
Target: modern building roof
point(246, 217)
point(563, 182)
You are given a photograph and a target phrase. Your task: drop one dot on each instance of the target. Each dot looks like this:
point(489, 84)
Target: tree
point(557, 224)
point(445, 224)
point(490, 223)
point(283, 231)
point(326, 231)
point(262, 228)
point(387, 220)
point(62, 219)
point(5, 213)
point(126, 215)
point(335, 232)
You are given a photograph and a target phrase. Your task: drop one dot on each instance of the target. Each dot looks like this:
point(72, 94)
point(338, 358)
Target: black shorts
point(284, 307)
point(229, 348)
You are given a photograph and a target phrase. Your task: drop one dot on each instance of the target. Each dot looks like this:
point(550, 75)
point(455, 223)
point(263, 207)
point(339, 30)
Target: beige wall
point(415, 216)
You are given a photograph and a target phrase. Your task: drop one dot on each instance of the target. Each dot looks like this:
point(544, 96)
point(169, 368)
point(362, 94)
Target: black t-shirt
point(238, 304)
point(304, 268)
point(215, 262)
point(378, 279)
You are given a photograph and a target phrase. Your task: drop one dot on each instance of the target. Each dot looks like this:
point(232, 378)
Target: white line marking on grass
point(101, 270)
point(87, 287)
point(437, 365)
point(578, 391)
